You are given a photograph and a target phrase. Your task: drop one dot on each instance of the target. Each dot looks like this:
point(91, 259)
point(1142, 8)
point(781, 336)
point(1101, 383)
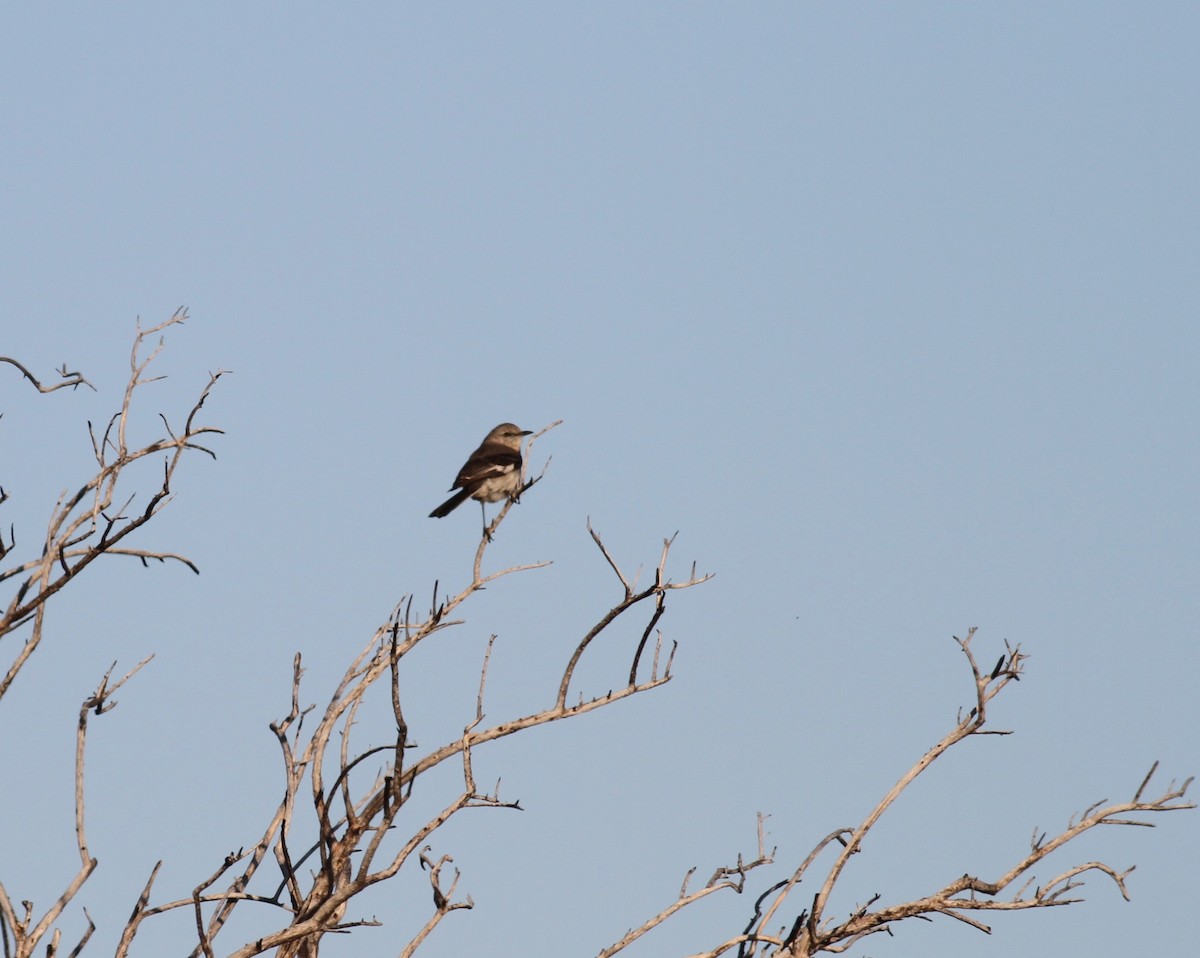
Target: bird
point(491, 473)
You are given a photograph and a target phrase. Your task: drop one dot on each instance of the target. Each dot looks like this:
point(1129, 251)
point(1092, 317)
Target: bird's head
point(507, 432)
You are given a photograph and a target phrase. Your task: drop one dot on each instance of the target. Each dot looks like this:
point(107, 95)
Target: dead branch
point(727, 878)
point(27, 937)
point(630, 599)
point(71, 379)
point(813, 931)
point(84, 525)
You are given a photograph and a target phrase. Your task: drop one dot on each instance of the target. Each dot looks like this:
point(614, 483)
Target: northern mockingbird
point(492, 473)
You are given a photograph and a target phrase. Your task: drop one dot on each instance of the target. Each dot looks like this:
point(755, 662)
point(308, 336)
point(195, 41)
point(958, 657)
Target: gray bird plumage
point(491, 473)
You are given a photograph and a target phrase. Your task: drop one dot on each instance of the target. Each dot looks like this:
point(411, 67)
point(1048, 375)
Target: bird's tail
point(450, 504)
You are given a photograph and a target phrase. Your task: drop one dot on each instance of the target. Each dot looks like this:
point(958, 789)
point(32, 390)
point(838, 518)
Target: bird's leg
point(483, 513)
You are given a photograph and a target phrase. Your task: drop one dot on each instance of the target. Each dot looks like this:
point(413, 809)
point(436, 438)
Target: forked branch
point(69, 378)
point(630, 598)
point(26, 936)
point(813, 931)
point(727, 878)
point(94, 521)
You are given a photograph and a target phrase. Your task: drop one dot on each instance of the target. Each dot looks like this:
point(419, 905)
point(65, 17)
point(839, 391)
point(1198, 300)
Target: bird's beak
point(525, 432)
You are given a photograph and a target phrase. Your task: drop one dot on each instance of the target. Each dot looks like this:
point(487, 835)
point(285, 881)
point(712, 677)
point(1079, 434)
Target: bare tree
point(336, 831)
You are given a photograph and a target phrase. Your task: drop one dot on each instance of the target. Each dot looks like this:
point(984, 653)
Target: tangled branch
point(87, 525)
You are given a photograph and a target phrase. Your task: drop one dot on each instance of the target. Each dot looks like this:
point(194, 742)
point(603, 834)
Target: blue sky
point(890, 310)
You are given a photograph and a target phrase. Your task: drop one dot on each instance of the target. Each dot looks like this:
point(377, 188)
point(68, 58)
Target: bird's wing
point(487, 465)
